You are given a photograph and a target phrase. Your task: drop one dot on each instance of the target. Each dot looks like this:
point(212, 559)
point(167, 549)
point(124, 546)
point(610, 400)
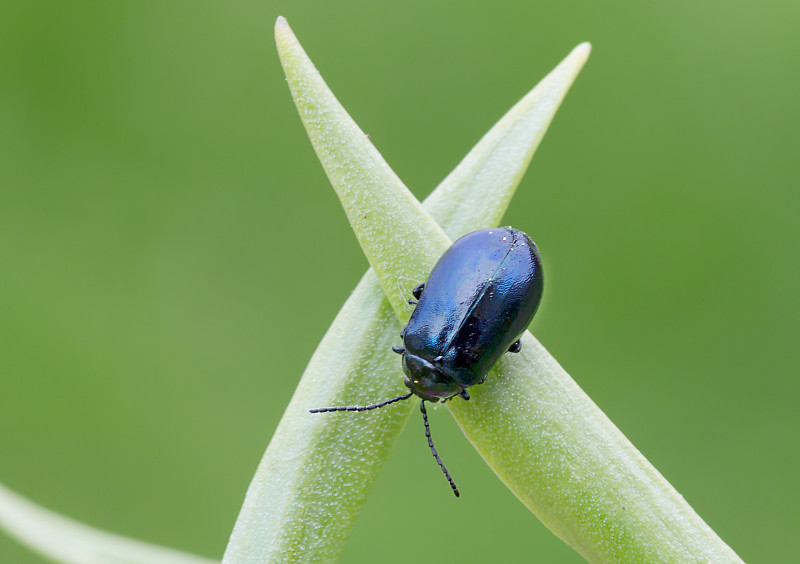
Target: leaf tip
point(283, 32)
point(581, 52)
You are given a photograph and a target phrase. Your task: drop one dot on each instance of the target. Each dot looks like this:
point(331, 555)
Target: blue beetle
point(479, 299)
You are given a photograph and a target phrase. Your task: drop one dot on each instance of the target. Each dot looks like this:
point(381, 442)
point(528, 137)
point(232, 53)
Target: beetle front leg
point(417, 293)
point(515, 347)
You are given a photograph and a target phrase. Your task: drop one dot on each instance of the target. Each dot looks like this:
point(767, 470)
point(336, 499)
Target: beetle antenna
point(433, 448)
point(360, 407)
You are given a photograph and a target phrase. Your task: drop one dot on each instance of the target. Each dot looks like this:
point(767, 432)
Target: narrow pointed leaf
point(540, 433)
point(65, 540)
point(481, 186)
point(571, 466)
point(316, 473)
point(373, 197)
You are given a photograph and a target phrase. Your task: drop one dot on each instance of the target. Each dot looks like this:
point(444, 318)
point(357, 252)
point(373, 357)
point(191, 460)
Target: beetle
point(478, 300)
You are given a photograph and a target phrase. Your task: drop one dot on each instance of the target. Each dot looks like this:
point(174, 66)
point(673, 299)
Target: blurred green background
point(171, 251)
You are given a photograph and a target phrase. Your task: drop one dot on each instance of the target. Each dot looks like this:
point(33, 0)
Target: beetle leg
point(398, 350)
point(464, 394)
point(515, 347)
point(412, 302)
point(417, 291)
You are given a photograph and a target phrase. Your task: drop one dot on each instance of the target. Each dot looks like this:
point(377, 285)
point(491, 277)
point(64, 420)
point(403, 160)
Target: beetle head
point(426, 380)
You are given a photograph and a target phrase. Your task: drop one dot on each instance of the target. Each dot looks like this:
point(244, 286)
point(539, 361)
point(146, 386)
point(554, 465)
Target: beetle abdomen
point(480, 297)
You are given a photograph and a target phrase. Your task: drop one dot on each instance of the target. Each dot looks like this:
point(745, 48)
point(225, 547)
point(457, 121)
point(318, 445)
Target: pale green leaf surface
point(65, 540)
point(317, 470)
point(570, 465)
point(374, 198)
point(476, 194)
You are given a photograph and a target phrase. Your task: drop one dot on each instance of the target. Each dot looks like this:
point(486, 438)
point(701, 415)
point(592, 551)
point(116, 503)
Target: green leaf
point(65, 540)
point(317, 470)
point(539, 432)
